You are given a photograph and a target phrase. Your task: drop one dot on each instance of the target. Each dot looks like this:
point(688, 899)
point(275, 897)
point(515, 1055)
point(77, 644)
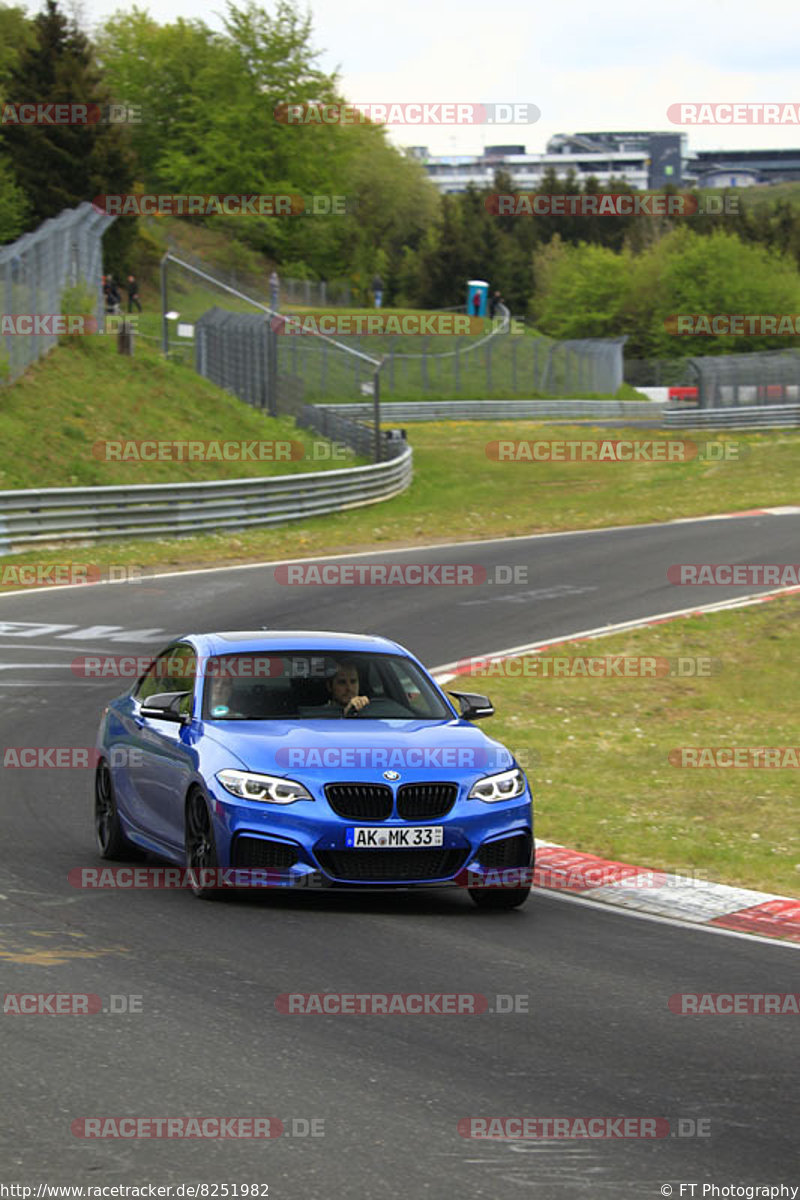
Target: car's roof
point(239, 641)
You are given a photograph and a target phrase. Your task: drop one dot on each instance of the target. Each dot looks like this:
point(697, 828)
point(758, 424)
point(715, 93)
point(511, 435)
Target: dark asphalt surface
point(598, 1038)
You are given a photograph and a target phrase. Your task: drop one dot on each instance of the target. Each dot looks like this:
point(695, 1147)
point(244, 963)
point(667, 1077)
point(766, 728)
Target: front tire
point(111, 841)
point(201, 848)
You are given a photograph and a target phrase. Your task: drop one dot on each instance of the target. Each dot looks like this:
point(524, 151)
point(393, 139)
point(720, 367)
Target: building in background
point(645, 159)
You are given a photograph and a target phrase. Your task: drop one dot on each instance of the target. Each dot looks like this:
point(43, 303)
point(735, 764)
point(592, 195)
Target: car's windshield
point(317, 685)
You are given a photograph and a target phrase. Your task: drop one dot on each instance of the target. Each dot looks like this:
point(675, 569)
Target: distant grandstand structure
point(645, 159)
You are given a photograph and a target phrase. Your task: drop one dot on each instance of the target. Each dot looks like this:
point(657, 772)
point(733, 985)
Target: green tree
point(16, 34)
point(580, 290)
point(58, 166)
point(13, 204)
point(591, 291)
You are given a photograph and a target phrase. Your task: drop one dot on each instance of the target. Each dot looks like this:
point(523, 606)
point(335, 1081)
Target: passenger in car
point(221, 698)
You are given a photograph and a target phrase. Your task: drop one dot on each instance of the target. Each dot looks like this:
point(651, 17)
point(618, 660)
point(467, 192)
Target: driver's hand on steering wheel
point(355, 705)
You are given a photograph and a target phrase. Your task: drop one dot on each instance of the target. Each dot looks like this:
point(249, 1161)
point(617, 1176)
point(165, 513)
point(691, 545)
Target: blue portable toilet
point(477, 287)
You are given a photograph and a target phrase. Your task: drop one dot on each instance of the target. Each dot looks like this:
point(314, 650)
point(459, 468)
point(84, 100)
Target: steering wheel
point(381, 707)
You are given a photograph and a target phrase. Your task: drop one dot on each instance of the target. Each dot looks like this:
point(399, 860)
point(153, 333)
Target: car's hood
point(362, 749)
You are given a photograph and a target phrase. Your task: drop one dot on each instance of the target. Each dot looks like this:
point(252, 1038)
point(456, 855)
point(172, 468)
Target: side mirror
point(164, 707)
point(473, 706)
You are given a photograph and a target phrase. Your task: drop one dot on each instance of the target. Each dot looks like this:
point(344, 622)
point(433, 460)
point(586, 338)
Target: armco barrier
point(761, 416)
point(340, 426)
point(36, 516)
point(493, 410)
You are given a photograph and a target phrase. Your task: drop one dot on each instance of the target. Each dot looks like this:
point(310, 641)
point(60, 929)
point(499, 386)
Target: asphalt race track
point(598, 1040)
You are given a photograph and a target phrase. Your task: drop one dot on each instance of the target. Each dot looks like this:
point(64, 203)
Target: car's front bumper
point(300, 845)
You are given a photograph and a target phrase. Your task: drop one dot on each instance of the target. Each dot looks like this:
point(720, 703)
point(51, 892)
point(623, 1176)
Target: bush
point(77, 301)
point(592, 291)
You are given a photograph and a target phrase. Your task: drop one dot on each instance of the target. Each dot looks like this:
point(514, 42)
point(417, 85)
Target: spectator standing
point(377, 290)
point(494, 304)
point(113, 298)
point(274, 290)
point(132, 288)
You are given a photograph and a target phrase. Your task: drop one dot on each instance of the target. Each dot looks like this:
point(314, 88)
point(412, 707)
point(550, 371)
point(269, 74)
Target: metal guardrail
point(40, 516)
point(493, 410)
point(36, 516)
point(340, 427)
point(759, 416)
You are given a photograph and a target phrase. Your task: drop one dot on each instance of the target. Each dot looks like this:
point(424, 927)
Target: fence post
point(376, 408)
point(164, 325)
point(272, 370)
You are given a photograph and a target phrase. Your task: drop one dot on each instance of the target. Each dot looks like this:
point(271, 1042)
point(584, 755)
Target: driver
point(343, 688)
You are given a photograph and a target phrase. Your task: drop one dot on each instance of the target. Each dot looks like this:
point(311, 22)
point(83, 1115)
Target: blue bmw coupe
point(310, 759)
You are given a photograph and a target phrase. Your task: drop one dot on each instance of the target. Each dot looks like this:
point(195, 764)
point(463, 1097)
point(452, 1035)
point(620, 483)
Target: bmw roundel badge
point(391, 775)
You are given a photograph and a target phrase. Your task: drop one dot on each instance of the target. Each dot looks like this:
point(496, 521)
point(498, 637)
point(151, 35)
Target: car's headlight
point(269, 788)
point(505, 786)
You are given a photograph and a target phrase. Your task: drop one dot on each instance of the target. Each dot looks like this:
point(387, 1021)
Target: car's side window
point(173, 671)
point(410, 692)
point(185, 676)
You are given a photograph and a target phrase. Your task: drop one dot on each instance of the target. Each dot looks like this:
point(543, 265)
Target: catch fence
point(35, 272)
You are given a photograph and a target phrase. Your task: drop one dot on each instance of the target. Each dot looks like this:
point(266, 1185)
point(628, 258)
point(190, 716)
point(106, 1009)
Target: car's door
point(162, 765)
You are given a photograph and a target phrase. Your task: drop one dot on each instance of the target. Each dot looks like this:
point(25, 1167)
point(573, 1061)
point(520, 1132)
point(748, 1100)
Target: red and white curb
point(781, 510)
point(660, 894)
point(643, 889)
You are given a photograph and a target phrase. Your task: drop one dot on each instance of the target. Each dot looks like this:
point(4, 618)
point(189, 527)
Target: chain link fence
point(190, 294)
point(236, 351)
point(723, 380)
point(505, 364)
point(37, 269)
point(660, 372)
point(293, 369)
point(310, 293)
point(767, 377)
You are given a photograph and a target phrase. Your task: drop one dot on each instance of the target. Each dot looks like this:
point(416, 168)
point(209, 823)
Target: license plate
point(378, 837)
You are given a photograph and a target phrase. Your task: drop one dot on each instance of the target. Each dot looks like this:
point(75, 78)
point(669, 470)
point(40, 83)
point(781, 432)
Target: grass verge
point(597, 750)
point(53, 417)
point(459, 493)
